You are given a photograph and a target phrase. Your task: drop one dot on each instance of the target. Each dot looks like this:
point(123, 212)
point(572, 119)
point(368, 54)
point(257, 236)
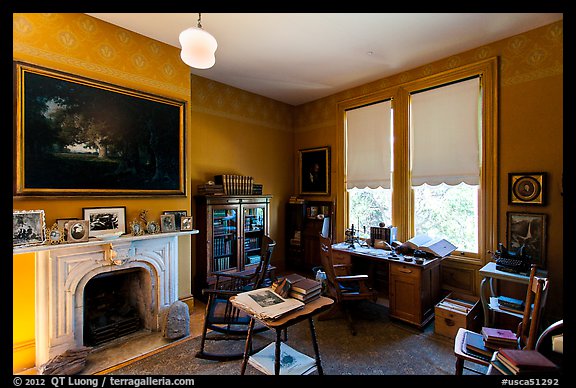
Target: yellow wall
point(228, 131)
point(530, 126)
point(233, 131)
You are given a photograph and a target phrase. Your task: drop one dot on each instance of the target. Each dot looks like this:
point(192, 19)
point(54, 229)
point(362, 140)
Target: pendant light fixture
point(198, 47)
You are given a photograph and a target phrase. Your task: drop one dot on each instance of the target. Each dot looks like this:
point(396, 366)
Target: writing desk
point(305, 313)
point(413, 289)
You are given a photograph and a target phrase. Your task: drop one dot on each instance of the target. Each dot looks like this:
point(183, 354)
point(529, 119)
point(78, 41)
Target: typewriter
point(515, 262)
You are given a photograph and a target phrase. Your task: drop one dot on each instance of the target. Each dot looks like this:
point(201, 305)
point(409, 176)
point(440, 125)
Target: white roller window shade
point(445, 134)
point(368, 151)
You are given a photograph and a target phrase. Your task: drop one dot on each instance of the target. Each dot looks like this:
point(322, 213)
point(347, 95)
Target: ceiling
point(300, 57)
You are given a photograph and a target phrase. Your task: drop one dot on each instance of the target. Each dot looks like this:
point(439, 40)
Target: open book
point(265, 304)
point(438, 247)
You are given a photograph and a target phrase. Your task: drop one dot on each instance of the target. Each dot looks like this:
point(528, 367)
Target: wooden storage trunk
point(457, 310)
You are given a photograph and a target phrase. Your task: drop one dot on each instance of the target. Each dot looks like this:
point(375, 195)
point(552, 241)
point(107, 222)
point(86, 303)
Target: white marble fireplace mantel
point(63, 270)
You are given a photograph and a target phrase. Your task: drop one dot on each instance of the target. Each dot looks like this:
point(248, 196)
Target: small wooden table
point(489, 273)
point(307, 312)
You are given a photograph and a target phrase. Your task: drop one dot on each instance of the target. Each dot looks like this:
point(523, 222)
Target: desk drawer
point(341, 258)
point(404, 270)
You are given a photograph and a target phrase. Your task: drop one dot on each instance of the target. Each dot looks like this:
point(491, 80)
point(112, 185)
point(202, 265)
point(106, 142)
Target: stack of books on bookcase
point(208, 189)
point(296, 199)
point(516, 362)
point(221, 263)
point(236, 184)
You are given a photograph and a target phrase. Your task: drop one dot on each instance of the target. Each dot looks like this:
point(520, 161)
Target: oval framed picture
point(526, 188)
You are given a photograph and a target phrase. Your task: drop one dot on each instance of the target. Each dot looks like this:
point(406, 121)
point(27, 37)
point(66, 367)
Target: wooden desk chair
point(225, 320)
point(342, 286)
point(527, 332)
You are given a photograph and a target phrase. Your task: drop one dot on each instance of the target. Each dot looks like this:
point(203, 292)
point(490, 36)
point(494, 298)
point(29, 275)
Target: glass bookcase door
point(254, 227)
point(225, 236)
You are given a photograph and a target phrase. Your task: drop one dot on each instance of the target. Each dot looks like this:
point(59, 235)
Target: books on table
point(516, 361)
point(292, 362)
point(302, 288)
point(265, 304)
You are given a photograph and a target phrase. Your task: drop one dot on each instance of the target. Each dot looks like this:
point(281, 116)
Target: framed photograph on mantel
point(528, 229)
point(76, 136)
point(314, 170)
point(105, 221)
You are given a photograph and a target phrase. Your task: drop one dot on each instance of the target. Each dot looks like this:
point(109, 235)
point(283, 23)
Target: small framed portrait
point(314, 171)
point(186, 223)
point(136, 228)
point(29, 227)
point(167, 223)
point(527, 229)
point(152, 227)
point(526, 188)
point(63, 224)
point(177, 215)
point(78, 230)
point(56, 234)
point(105, 220)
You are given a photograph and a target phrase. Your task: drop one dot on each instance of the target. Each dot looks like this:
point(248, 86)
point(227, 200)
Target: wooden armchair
point(527, 332)
point(223, 321)
point(342, 286)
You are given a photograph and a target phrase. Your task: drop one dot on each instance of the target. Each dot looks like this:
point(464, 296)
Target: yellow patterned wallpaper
point(529, 56)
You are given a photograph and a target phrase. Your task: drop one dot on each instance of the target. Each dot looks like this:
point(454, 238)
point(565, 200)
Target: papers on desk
point(265, 304)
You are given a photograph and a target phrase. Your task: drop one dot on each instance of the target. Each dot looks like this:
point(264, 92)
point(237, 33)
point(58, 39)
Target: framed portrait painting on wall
point(314, 170)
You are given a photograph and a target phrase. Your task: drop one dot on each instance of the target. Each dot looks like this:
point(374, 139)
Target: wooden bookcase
point(230, 235)
point(302, 218)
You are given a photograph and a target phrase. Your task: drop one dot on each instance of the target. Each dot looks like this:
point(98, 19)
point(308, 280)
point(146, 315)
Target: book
point(512, 303)
point(475, 343)
point(306, 298)
point(499, 335)
point(265, 304)
point(438, 247)
point(305, 286)
point(524, 361)
point(496, 363)
point(292, 362)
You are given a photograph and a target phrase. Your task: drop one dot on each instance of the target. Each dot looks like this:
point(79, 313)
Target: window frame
point(402, 193)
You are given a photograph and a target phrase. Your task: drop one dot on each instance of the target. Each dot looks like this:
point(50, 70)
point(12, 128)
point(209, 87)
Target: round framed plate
point(526, 189)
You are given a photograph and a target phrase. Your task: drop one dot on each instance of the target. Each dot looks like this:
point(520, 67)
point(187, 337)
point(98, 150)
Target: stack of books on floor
point(499, 338)
point(304, 289)
point(516, 362)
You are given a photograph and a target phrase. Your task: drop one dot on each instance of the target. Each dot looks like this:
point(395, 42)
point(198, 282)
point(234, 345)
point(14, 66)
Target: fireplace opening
point(114, 305)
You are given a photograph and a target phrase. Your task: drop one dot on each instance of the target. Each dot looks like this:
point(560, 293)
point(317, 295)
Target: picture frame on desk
point(528, 229)
point(314, 167)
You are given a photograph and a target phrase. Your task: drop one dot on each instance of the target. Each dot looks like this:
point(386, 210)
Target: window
point(440, 175)
point(445, 162)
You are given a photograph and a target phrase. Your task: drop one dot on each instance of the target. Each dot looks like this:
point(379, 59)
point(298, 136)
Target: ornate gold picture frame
point(526, 188)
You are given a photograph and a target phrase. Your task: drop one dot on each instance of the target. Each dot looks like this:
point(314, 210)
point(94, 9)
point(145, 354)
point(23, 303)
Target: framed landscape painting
point(76, 136)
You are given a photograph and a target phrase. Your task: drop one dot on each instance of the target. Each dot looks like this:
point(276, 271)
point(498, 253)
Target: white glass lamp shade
point(198, 48)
